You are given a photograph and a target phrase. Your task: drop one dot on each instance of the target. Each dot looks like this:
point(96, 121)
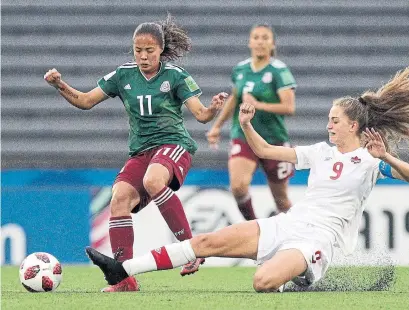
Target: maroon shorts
point(174, 157)
point(276, 171)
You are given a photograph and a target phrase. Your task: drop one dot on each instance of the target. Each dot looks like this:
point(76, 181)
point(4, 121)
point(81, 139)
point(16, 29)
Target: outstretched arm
point(213, 135)
point(227, 111)
point(400, 169)
point(203, 114)
point(376, 147)
point(259, 146)
point(83, 101)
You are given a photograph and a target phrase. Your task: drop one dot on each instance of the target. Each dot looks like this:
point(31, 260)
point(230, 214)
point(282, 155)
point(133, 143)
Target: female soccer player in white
point(299, 245)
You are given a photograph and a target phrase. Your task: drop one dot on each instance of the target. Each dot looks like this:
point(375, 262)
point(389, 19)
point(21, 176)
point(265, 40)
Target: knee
point(239, 188)
point(153, 184)
point(120, 204)
point(265, 284)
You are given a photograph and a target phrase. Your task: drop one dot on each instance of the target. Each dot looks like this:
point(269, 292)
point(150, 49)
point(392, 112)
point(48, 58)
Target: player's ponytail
point(386, 110)
point(176, 42)
point(172, 38)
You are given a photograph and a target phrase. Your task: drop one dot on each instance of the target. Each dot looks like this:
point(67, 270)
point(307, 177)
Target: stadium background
point(58, 162)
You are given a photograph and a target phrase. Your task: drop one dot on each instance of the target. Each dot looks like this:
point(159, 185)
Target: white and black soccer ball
point(40, 272)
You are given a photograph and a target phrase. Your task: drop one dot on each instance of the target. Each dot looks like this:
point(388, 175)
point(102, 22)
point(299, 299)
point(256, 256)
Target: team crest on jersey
point(165, 87)
point(240, 76)
point(355, 160)
point(267, 77)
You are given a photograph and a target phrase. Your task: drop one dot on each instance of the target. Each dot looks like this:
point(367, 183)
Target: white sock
point(139, 264)
point(179, 255)
point(186, 248)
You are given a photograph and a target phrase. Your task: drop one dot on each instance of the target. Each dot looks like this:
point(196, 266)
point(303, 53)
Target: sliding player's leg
point(290, 250)
point(278, 270)
point(239, 240)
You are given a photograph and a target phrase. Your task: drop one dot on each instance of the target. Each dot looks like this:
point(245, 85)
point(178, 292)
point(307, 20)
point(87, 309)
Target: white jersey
point(338, 186)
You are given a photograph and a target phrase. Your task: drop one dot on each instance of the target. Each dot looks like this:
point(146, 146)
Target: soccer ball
point(40, 272)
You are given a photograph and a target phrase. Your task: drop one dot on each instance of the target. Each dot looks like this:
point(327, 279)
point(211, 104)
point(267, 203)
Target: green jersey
point(264, 85)
point(154, 106)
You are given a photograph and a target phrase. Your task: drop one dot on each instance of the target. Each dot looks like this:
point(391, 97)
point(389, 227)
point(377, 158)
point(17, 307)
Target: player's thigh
point(277, 171)
point(241, 170)
point(176, 160)
point(132, 174)
point(242, 162)
point(156, 177)
point(281, 268)
point(238, 240)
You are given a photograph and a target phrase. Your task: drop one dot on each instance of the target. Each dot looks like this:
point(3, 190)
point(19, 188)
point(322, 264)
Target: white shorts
point(282, 232)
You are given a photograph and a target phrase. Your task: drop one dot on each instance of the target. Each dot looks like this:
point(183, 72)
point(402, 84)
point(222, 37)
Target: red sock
point(246, 208)
point(162, 259)
point(122, 237)
point(172, 211)
point(166, 257)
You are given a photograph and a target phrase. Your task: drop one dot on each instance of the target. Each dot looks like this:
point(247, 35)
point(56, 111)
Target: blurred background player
point(153, 92)
point(267, 83)
point(298, 245)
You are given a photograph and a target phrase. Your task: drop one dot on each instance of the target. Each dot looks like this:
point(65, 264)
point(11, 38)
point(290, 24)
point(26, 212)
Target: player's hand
point(213, 137)
point(218, 102)
point(247, 111)
point(53, 77)
point(374, 143)
point(249, 98)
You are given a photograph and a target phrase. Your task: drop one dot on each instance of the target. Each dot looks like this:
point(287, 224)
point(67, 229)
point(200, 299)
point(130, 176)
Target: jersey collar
point(153, 77)
point(257, 71)
point(356, 150)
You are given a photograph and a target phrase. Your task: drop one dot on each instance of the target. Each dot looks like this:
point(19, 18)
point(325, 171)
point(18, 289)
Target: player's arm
point(395, 168)
point(227, 110)
point(84, 101)
point(390, 166)
point(259, 146)
point(205, 114)
point(285, 107)
point(213, 135)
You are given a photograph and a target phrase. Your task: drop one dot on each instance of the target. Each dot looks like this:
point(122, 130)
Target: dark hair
point(386, 110)
point(273, 51)
point(172, 38)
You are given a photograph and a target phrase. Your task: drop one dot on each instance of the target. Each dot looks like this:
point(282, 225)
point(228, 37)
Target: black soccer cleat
point(113, 270)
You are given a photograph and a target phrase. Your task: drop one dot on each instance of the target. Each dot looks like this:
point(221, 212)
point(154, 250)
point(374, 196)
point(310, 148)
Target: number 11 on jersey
point(141, 104)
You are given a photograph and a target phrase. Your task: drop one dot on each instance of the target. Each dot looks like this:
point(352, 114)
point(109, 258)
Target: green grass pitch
point(210, 288)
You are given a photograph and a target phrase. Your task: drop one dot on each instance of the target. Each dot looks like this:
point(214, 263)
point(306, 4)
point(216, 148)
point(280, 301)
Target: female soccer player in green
point(268, 85)
point(153, 92)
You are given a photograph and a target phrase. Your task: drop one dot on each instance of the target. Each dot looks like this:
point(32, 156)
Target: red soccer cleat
point(127, 285)
point(192, 267)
